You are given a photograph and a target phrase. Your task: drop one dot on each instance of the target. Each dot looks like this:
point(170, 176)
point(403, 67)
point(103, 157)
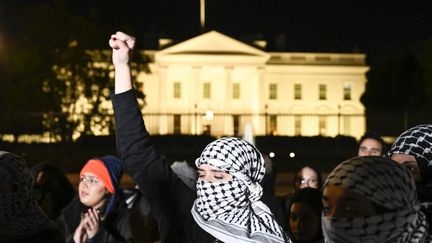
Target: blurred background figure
point(52, 189)
point(304, 216)
point(307, 176)
point(372, 199)
point(371, 144)
point(98, 214)
point(21, 218)
point(186, 173)
point(143, 224)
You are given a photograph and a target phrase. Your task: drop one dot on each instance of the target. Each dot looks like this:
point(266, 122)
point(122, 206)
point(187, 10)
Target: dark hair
point(52, 188)
point(311, 197)
point(375, 136)
point(319, 177)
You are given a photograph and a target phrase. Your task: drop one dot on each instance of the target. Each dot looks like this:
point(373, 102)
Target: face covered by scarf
point(417, 141)
point(387, 185)
point(20, 215)
point(232, 211)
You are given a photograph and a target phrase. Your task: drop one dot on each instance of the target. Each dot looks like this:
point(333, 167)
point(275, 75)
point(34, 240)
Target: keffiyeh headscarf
point(417, 141)
point(387, 185)
point(20, 215)
point(232, 211)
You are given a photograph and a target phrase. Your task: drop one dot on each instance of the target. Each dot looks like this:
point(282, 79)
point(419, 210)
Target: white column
point(194, 100)
point(258, 104)
point(228, 121)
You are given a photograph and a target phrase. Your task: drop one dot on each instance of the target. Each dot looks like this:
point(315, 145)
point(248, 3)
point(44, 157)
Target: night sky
point(307, 25)
point(370, 26)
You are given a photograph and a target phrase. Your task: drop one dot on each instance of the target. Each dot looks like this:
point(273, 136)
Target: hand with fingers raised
point(80, 234)
point(88, 227)
point(91, 222)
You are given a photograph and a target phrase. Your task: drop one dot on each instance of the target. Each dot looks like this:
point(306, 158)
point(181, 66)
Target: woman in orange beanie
point(97, 214)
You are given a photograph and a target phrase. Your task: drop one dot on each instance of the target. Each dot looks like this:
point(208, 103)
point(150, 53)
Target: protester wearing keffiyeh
point(21, 218)
point(232, 211)
point(417, 141)
point(390, 187)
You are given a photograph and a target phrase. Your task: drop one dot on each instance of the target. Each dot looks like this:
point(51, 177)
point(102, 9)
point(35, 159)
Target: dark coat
point(115, 228)
point(170, 199)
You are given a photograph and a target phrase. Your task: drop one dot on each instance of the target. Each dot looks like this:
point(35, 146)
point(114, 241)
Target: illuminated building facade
point(215, 84)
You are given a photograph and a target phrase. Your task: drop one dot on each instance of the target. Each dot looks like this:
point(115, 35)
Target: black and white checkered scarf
point(20, 215)
point(389, 186)
point(417, 141)
point(232, 211)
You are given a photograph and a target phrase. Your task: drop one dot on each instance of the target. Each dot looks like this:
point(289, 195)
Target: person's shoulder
point(119, 213)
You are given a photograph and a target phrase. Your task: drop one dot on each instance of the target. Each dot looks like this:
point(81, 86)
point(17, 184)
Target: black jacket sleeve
point(170, 199)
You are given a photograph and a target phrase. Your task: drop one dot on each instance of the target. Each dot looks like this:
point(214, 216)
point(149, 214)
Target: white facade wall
point(222, 61)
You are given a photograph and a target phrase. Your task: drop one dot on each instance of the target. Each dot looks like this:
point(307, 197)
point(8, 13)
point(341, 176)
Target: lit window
point(236, 124)
point(322, 126)
point(236, 91)
point(347, 91)
point(322, 92)
point(297, 91)
point(207, 90)
point(177, 90)
point(297, 125)
point(273, 91)
point(177, 124)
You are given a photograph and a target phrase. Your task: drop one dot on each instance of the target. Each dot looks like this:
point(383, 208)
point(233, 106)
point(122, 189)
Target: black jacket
point(169, 198)
point(115, 228)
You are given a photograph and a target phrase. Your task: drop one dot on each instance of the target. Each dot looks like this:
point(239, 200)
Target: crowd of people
point(381, 195)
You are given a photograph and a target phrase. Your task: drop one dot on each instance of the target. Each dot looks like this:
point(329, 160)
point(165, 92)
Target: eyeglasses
point(307, 181)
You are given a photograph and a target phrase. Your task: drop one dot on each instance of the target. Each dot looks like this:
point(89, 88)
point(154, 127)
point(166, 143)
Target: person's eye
point(326, 210)
point(293, 217)
point(412, 168)
point(219, 177)
point(200, 175)
point(82, 179)
point(94, 181)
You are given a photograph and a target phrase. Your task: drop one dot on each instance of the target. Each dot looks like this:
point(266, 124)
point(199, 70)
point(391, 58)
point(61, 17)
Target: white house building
point(215, 84)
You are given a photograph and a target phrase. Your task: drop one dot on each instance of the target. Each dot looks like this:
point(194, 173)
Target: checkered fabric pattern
point(19, 212)
point(416, 141)
point(231, 211)
point(389, 186)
